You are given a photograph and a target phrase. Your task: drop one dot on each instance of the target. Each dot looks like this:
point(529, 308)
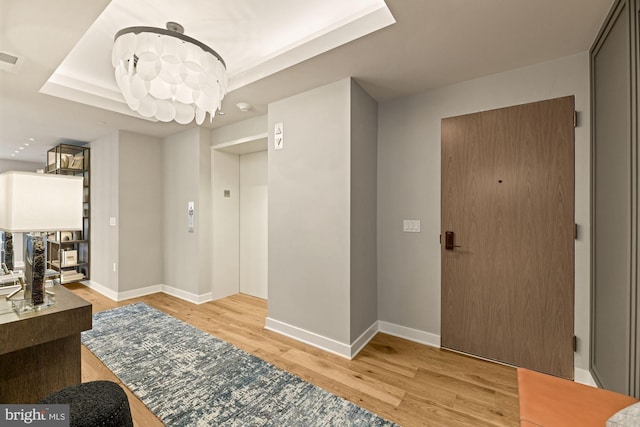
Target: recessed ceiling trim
point(345, 31)
point(89, 94)
point(92, 88)
point(246, 145)
point(338, 30)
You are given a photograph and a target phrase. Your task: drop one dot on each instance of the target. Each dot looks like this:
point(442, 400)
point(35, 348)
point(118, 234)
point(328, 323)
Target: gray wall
point(225, 254)
point(203, 220)
point(322, 212)
point(18, 165)
point(104, 204)
point(145, 183)
point(140, 197)
point(186, 177)
point(364, 135)
point(308, 213)
point(126, 184)
point(409, 186)
point(615, 316)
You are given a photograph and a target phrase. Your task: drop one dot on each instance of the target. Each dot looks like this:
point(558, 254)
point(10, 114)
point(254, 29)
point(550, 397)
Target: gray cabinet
point(615, 310)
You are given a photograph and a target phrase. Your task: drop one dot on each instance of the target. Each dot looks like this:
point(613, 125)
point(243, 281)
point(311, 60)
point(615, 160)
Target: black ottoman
point(96, 403)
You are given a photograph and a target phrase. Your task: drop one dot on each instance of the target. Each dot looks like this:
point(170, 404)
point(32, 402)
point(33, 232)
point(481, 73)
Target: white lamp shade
point(40, 202)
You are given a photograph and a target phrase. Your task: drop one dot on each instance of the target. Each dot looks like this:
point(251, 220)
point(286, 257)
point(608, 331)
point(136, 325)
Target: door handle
point(449, 241)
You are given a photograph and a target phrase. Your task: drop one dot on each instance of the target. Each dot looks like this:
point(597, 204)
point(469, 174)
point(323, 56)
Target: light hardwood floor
point(405, 382)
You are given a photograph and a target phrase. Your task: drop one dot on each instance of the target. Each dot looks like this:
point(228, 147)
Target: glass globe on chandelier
point(167, 75)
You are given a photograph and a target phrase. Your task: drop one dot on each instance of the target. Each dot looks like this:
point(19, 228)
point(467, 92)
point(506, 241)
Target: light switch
point(112, 221)
point(411, 225)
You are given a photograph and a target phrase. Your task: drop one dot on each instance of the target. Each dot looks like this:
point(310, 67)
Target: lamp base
point(22, 306)
point(35, 256)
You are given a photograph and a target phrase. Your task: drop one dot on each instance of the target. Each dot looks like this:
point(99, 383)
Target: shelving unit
point(68, 252)
point(6, 249)
point(2, 249)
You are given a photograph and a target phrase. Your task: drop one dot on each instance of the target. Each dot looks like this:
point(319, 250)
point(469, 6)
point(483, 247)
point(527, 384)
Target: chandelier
point(167, 75)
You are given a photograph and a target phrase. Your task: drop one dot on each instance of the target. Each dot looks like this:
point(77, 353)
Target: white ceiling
point(433, 43)
point(250, 35)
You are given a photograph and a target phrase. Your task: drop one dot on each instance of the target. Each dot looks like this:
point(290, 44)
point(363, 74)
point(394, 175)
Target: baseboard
point(187, 296)
point(410, 334)
point(101, 289)
point(583, 376)
point(307, 337)
point(363, 339)
point(135, 293)
point(350, 351)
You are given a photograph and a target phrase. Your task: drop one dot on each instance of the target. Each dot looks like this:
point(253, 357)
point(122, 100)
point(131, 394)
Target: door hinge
point(441, 239)
point(575, 231)
point(575, 119)
point(575, 343)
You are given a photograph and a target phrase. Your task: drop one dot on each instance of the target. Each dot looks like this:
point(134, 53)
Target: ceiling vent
point(9, 62)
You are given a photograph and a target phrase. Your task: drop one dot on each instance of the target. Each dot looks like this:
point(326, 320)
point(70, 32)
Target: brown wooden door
point(508, 197)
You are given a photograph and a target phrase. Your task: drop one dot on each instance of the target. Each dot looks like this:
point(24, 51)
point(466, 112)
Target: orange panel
point(550, 401)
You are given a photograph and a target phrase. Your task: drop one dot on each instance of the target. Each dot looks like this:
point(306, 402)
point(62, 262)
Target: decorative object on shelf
point(167, 75)
point(76, 162)
point(69, 258)
point(33, 203)
point(66, 160)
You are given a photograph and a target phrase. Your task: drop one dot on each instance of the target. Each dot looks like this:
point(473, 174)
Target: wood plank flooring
point(405, 382)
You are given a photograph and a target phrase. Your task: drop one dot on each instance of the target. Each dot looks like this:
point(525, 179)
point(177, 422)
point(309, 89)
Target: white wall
point(409, 186)
point(140, 202)
point(253, 224)
point(225, 256)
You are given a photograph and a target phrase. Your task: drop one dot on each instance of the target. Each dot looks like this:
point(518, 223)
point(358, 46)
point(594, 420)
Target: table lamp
point(33, 204)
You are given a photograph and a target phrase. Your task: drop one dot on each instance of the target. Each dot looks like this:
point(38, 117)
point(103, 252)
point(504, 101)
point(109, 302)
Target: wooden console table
point(40, 351)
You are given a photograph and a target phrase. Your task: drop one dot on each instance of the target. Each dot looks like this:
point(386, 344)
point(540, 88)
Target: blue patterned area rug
point(190, 378)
